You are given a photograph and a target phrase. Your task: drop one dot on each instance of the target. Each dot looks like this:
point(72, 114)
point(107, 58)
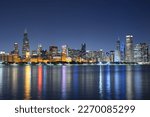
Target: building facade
point(26, 46)
point(117, 52)
point(141, 52)
point(129, 49)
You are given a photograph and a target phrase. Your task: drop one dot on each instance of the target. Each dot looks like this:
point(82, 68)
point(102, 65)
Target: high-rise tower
point(64, 52)
point(118, 44)
point(129, 48)
point(39, 50)
point(26, 46)
point(16, 49)
point(118, 52)
point(83, 50)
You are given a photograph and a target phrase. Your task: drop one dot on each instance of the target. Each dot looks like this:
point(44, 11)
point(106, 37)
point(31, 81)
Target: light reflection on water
point(27, 82)
point(74, 82)
point(14, 81)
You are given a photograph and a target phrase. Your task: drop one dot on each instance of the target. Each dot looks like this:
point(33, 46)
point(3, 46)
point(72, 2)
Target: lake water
point(104, 82)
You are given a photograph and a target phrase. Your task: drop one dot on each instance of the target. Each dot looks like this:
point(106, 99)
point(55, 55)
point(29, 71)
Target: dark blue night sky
point(98, 23)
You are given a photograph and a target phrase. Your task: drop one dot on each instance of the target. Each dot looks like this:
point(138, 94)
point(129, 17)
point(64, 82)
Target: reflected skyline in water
point(106, 82)
point(27, 82)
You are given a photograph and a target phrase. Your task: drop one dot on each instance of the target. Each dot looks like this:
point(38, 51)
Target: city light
point(128, 53)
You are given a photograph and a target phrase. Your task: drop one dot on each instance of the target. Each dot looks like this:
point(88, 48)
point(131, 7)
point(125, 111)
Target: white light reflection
point(64, 82)
point(14, 80)
point(129, 82)
point(100, 82)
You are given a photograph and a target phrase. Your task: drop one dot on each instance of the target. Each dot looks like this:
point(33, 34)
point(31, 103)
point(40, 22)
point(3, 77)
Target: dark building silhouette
point(26, 45)
point(83, 50)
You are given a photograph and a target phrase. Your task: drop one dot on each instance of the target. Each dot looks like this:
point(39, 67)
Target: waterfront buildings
point(123, 53)
point(129, 49)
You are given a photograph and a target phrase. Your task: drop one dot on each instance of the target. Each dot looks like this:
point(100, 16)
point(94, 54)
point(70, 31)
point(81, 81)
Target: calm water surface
point(75, 82)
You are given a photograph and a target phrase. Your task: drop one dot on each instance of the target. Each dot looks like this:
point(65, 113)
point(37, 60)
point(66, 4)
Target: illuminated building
point(145, 52)
point(34, 54)
point(112, 56)
point(2, 56)
point(26, 46)
point(39, 50)
point(141, 52)
point(83, 50)
point(122, 52)
point(15, 53)
point(16, 49)
point(74, 54)
point(107, 57)
point(64, 53)
point(53, 51)
point(91, 56)
point(137, 53)
point(117, 52)
point(10, 58)
point(100, 55)
point(129, 49)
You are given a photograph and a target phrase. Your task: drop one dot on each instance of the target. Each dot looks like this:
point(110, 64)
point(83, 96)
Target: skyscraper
point(141, 52)
point(26, 46)
point(39, 50)
point(129, 49)
point(83, 50)
point(137, 53)
point(145, 52)
point(64, 52)
point(16, 49)
point(122, 51)
point(118, 52)
point(118, 44)
point(53, 51)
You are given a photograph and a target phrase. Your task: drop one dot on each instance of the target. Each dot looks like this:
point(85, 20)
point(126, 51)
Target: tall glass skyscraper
point(129, 49)
point(117, 52)
point(26, 45)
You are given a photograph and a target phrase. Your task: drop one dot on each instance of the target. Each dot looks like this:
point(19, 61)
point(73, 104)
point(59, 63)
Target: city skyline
point(127, 52)
point(26, 35)
point(25, 40)
point(73, 22)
